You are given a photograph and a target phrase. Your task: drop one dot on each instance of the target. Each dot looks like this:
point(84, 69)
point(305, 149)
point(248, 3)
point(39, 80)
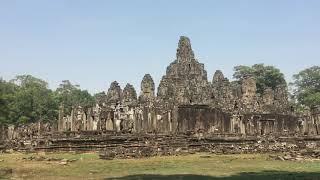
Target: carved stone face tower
point(129, 94)
point(268, 96)
point(184, 51)
point(249, 89)
point(218, 77)
point(114, 94)
point(147, 87)
point(185, 81)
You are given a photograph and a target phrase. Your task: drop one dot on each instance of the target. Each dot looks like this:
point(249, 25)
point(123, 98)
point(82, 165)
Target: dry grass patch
point(89, 166)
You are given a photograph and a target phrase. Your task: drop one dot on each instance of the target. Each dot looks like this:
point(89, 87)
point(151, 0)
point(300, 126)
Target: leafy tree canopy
point(266, 76)
point(7, 95)
point(70, 95)
point(26, 99)
point(100, 98)
point(307, 86)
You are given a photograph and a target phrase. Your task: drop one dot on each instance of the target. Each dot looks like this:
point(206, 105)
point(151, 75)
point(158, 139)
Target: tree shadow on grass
point(264, 175)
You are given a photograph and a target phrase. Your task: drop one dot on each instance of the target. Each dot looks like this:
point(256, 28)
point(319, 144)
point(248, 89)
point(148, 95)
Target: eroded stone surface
point(114, 94)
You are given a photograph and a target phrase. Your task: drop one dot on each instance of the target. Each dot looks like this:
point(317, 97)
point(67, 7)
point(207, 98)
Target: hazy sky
point(93, 43)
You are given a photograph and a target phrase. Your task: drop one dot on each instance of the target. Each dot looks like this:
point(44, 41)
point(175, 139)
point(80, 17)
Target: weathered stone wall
point(202, 119)
point(27, 131)
point(210, 120)
point(271, 124)
point(315, 119)
point(116, 145)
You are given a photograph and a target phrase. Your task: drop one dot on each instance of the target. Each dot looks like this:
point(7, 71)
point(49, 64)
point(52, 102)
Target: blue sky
point(93, 43)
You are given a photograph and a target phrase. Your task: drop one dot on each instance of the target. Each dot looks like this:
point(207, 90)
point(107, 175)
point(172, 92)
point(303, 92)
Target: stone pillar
point(39, 128)
point(315, 115)
point(11, 132)
point(61, 119)
point(109, 123)
point(175, 119)
point(72, 120)
point(89, 119)
point(169, 121)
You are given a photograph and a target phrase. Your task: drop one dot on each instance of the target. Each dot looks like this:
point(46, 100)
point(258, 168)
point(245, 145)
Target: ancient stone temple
point(186, 111)
point(187, 101)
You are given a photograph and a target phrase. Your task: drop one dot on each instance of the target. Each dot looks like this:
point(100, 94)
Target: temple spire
point(184, 51)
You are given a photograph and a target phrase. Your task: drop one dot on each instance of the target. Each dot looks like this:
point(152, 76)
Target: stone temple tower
point(185, 80)
point(184, 51)
point(147, 88)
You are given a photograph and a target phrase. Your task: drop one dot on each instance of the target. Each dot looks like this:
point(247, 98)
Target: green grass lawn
point(196, 166)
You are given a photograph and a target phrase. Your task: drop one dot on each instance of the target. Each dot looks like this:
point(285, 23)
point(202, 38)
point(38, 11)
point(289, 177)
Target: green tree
point(100, 98)
point(34, 100)
point(30, 101)
point(70, 95)
point(266, 76)
point(7, 94)
point(27, 99)
point(307, 86)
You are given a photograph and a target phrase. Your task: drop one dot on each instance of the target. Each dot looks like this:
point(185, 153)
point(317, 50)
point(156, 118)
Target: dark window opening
point(292, 108)
point(235, 105)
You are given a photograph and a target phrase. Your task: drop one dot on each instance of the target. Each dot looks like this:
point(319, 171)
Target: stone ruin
point(185, 103)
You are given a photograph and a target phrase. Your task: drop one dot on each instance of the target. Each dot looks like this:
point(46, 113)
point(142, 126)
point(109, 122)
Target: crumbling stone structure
point(188, 113)
point(313, 125)
point(187, 101)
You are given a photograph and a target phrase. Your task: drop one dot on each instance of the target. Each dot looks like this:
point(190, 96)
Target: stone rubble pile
point(298, 155)
point(5, 171)
point(61, 161)
point(2, 148)
point(112, 145)
point(190, 145)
